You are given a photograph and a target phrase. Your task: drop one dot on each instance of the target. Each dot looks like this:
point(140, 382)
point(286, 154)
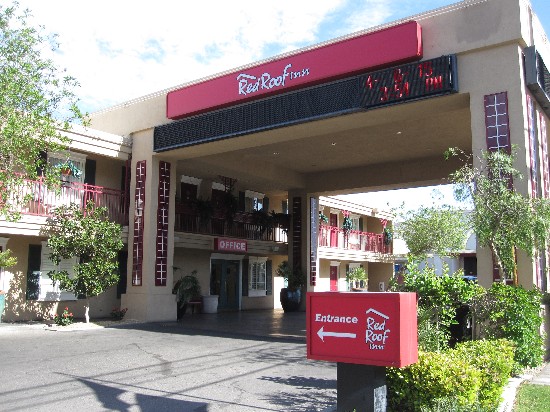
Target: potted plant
point(291, 295)
point(186, 289)
point(68, 168)
point(357, 279)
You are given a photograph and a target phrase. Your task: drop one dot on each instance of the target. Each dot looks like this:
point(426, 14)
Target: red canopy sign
point(364, 328)
point(391, 46)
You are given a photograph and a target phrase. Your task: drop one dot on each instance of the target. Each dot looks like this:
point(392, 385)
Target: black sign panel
point(354, 94)
point(410, 81)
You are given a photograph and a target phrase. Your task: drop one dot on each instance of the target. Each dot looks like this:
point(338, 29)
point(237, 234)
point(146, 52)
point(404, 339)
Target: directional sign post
point(364, 333)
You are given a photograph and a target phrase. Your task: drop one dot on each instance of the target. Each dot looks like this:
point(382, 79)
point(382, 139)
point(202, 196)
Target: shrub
point(65, 319)
point(439, 297)
point(437, 375)
point(513, 313)
point(118, 313)
point(494, 360)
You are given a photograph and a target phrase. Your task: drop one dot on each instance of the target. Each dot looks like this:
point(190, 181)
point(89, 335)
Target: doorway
point(225, 282)
point(334, 278)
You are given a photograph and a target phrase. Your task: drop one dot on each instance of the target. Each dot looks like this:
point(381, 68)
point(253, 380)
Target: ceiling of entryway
point(395, 146)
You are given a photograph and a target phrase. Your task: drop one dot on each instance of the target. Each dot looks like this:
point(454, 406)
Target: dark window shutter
point(42, 160)
point(265, 204)
point(122, 271)
point(241, 202)
point(269, 277)
point(360, 224)
point(33, 272)
point(245, 277)
point(89, 172)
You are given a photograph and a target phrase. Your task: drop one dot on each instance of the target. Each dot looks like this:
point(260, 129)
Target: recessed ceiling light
point(398, 133)
point(333, 143)
point(276, 153)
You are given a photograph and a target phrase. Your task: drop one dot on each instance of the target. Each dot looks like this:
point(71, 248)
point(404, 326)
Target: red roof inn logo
point(377, 333)
point(249, 84)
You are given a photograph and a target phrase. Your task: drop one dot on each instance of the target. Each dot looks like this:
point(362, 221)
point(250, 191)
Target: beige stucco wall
point(19, 309)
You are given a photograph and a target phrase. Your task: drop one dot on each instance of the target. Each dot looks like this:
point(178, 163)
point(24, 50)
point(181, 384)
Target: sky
point(119, 50)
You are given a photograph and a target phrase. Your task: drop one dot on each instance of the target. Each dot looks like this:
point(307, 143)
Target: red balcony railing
point(43, 200)
point(243, 225)
point(334, 237)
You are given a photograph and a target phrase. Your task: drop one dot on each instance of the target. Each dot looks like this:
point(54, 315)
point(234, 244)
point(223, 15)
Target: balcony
point(244, 225)
point(334, 237)
point(43, 200)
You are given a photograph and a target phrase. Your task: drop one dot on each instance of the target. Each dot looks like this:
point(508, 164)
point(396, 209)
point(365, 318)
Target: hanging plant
point(347, 224)
point(68, 168)
point(388, 236)
point(323, 218)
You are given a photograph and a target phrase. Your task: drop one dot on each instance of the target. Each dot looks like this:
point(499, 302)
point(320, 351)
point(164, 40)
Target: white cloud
point(123, 49)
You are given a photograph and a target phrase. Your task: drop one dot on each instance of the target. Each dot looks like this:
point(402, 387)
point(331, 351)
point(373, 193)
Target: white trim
point(226, 256)
point(253, 195)
point(218, 186)
point(191, 180)
point(335, 263)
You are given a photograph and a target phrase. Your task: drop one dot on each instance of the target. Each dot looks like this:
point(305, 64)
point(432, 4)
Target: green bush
point(436, 375)
point(439, 297)
point(513, 313)
point(494, 360)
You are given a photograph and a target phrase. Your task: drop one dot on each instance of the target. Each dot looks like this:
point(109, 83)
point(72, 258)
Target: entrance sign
point(395, 45)
point(362, 328)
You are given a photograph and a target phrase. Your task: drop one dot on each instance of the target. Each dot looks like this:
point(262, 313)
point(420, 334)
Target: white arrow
point(322, 334)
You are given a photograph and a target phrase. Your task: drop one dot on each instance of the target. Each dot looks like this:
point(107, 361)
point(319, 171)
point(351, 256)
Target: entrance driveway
point(242, 361)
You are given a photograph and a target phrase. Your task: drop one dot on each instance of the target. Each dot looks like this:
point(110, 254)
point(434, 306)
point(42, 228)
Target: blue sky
point(123, 49)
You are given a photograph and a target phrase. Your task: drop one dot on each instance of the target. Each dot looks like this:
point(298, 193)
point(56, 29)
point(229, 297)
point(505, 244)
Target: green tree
point(503, 219)
point(441, 231)
point(7, 260)
point(91, 237)
point(37, 103)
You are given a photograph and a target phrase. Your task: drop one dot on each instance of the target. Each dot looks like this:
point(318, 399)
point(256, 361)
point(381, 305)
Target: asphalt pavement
point(250, 361)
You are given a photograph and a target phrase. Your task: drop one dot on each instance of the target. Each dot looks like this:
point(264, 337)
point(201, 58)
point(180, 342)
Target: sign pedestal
point(361, 388)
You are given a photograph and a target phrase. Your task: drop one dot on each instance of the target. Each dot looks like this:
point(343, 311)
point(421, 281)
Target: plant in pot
point(357, 279)
point(186, 289)
point(291, 295)
point(68, 168)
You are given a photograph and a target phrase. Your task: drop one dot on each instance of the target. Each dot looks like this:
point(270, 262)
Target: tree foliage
point(503, 219)
point(37, 102)
point(88, 235)
point(441, 231)
point(439, 298)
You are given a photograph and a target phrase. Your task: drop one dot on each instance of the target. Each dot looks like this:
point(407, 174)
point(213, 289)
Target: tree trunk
point(87, 310)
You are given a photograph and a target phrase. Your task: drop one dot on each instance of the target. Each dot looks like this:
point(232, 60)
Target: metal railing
point(243, 225)
point(335, 237)
point(42, 200)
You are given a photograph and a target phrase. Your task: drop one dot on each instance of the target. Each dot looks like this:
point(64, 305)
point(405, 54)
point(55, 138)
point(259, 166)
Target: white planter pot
point(210, 304)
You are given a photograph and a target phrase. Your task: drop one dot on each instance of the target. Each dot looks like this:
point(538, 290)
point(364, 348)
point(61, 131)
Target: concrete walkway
point(542, 377)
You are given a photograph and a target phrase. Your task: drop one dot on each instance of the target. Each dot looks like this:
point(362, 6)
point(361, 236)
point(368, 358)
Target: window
point(254, 201)
point(39, 285)
point(257, 276)
point(78, 159)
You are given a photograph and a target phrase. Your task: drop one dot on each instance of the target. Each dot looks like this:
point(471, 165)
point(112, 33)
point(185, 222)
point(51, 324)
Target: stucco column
point(151, 238)
point(507, 61)
point(300, 240)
